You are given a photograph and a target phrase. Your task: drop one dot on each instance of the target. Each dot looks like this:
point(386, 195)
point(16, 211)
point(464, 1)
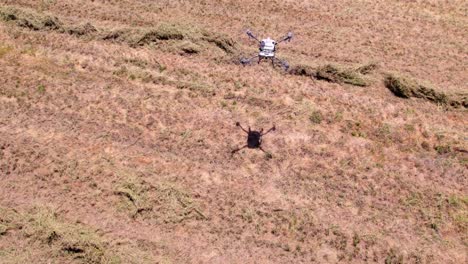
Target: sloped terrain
point(117, 122)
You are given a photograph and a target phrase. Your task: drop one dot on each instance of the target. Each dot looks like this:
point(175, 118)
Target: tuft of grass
point(169, 31)
point(303, 70)
point(3, 229)
point(459, 100)
point(443, 149)
point(425, 145)
point(400, 86)
point(134, 196)
point(8, 14)
point(189, 48)
point(81, 30)
point(162, 33)
point(9, 219)
point(41, 89)
point(199, 88)
point(367, 68)
point(221, 41)
point(355, 128)
point(316, 117)
point(4, 50)
point(459, 205)
point(393, 257)
point(356, 240)
point(457, 201)
point(123, 35)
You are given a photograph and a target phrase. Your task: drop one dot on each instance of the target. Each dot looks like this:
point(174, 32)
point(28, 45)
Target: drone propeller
point(251, 35)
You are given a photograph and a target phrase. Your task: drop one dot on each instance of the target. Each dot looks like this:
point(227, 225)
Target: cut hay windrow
point(335, 74)
point(194, 39)
point(29, 19)
point(405, 87)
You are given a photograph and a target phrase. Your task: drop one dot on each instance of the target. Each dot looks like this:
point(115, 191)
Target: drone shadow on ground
point(254, 138)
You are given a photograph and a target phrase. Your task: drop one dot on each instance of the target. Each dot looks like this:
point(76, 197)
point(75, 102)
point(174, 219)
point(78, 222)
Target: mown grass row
point(399, 85)
point(406, 87)
point(336, 74)
point(43, 229)
point(187, 39)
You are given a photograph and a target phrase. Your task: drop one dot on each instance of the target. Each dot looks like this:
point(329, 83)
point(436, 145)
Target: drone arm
point(262, 150)
point(282, 40)
point(238, 149)
point(251, 35)
point(246, 61)
point(243, 129)
point(269, 130)
point(287, 38)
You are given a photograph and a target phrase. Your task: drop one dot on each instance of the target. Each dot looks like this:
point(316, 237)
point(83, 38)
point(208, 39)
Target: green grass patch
point(443, 149)
point(436, 210)
point(41, 89)
point(316, 117)
point(5, 50)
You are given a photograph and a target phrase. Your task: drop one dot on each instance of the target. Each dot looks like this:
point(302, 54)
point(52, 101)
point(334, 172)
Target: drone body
point(267, 49)
point(254, 138)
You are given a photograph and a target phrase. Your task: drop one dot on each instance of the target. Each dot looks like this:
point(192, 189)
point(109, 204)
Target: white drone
point(267, 49)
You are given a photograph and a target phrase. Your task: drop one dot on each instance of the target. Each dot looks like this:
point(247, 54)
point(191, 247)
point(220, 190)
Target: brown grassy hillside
point(117, 122)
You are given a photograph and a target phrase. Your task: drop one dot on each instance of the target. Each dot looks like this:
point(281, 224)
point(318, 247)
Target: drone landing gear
point(274, 61)
point(282, 63)
point(246, 146)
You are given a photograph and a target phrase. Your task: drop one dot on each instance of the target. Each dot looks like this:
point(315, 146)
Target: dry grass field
point(117, 122)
